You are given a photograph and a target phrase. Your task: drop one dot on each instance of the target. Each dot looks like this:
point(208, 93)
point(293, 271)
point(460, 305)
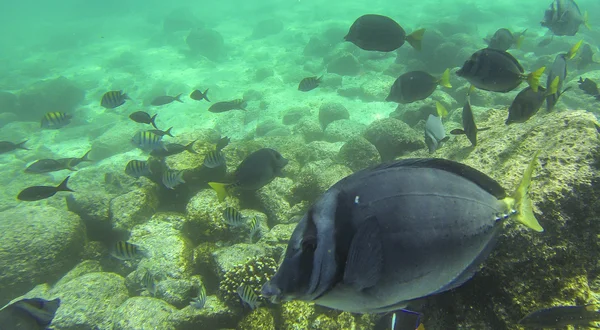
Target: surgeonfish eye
point(309, 243)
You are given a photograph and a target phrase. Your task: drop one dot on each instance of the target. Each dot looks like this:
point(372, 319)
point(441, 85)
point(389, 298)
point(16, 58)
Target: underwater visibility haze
point(299, 164)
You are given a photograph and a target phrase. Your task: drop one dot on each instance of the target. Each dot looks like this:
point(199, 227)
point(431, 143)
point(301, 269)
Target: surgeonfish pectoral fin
point(553, 88)
point(471, 89)
point(445, 79)
point(415, 38)
point(533, 79)
point(520, 200)
point(441, 110)
point(586, 21)
point(573, 51)
point(365, 257)
point(220, 189)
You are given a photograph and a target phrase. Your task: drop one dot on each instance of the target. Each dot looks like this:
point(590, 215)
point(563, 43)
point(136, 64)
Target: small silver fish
point(200, 301)
point(149, 282)
point(214, 159)
point(248, 297)
point(126, 251)
point(172, 178)
point(233, 217)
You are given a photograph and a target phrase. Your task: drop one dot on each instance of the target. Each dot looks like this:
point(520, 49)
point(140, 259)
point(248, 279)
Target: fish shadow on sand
point(460, 154)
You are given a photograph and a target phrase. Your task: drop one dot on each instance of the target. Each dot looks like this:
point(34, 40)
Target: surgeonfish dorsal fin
point(573, 51)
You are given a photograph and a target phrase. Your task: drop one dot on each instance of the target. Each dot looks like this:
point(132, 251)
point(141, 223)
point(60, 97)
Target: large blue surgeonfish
point(384, 236)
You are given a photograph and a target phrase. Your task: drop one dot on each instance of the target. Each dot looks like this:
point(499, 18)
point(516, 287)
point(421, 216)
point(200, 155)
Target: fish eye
point(309, 244)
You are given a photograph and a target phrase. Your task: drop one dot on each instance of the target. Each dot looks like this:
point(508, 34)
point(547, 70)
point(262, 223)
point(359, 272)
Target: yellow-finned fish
point(56, 120)
point(113, 99)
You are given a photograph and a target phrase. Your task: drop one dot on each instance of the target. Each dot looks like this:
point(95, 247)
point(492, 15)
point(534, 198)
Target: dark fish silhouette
point(113, 99)
point(173, 149)
point(503, 39)
point(37, 193)
point(222, 143)
point(162, 133)
point(199, 96)
point(56, 120)
point(561, 316)
point(416, 85)
point(545, 42)
point(469, 127)
point(309, 83)
point(586, 57)
point(223, 106)
point(559, 70)
point(588, 86)
point(7, 146)
point(29, 314)
point(563, 18)
point(526, 104)
point(53, 165)
point(165, 99)
point(143, 117)
point(497, 71)
point(381, 33)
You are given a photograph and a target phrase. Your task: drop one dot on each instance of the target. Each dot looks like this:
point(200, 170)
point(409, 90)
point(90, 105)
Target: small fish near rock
point(588, 86)
point(56, 120)
point(165, 99)
point(309, 83)
point(416, 85)
point(469, 127)
point(381, 33)
point(173, 149)
point(7, 146)
point(223, 106)
point(137, 168)
point(37, 193)
point(143, 117)
point(113, 99)
point(199, 96)
point(562, 316)
point(503, 39)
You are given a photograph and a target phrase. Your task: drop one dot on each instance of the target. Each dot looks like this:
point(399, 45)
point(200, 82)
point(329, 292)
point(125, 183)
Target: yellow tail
point(415, 38)
point(441, 110)
point(520, 200)
point(221, 189)
point(445, 79)
point(533, 79)
point(553, 88)
point(573, 51)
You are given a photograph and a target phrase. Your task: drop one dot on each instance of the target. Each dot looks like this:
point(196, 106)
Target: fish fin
point(483, 129)
point(520, 200)
point(441, 110)
point(415, 38)
point(220, 189)
point(445, 139)
point(471, 89)
point(168, 132)
point(63, 185)
point(586, 20)
point(553, 88)
point(573, 51)
point(365, 257)
point(457, 131)
point(21, 145)
point(152, 121)
point(41, 310)
point(205, 95)
point(445, 79)
point(190, 147)
point(85, 157)
point(533, 79)
point(420, 327)
point(520, 40)
point(178, 98)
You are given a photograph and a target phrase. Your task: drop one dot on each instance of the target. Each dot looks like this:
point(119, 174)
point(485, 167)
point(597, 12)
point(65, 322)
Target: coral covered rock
point(343, 130)
point(133, 208)
point(143, 313)
point(358, 153)
point(345, 65)
point(58, 94)
point(393, 138)
point(332, 111)
point(253, 272)
point(258, 319)
point(206, 42)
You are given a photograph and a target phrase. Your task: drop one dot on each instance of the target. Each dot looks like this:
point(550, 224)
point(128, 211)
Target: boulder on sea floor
point(143, 313)
point(530, 270)
point(39, 244)
point(59, 94)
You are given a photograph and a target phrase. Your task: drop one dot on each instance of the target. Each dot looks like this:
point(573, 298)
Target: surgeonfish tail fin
point(441, 110)
point(573, 51)
point(445, 79)
point(190, 146)
point(220, 189)
point(471, 90)
point(21, 145)
point(533, 79)
point(520, 200)
point(168, 132)
point(553, 87)
point(63, 185)
point(415, 38)
point(178, 98)
point(85, 158)
point(520, 39)
point(586, 21)
point(153, 121)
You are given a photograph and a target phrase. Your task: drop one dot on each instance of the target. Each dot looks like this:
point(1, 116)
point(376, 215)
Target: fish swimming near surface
point(200, 301)
point(497, 71)
point(586, 57)
point(172, 178)
point(563, 18)
point(254, 172)
point(222, 143)
point(53, 165)
point(28, 314)
point(214, 159)
point(309, 83)
point(588, 86)
point(147, 141)
point(238, 104)
point(123, 250)
point(161, 132)
point(199, 96)
point(37, 193)
point(559, 70)
point(173, 149)
point(143, 117)
point(469, 127)
point(381, 33)
point(233, 217)
point(7, 146)
point(562, 316)
point(113, 99)
point(416, 85)
point(388, 235)
point(137, 168)
point(56, 120)
point(503, 39)
point(527, 103)
point(248, 296)
point(165, 99)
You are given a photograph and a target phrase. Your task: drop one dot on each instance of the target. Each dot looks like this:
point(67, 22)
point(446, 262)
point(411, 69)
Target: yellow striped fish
point(172, 178)
point(233, 217)
point(126, 251)
point(214, 159)
point(148, 141)
point(113, 99)
point(149, 282)
point(200, 301)
point(254, 227)
point(248, 297)
point(56, 120)
point(137, 168)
